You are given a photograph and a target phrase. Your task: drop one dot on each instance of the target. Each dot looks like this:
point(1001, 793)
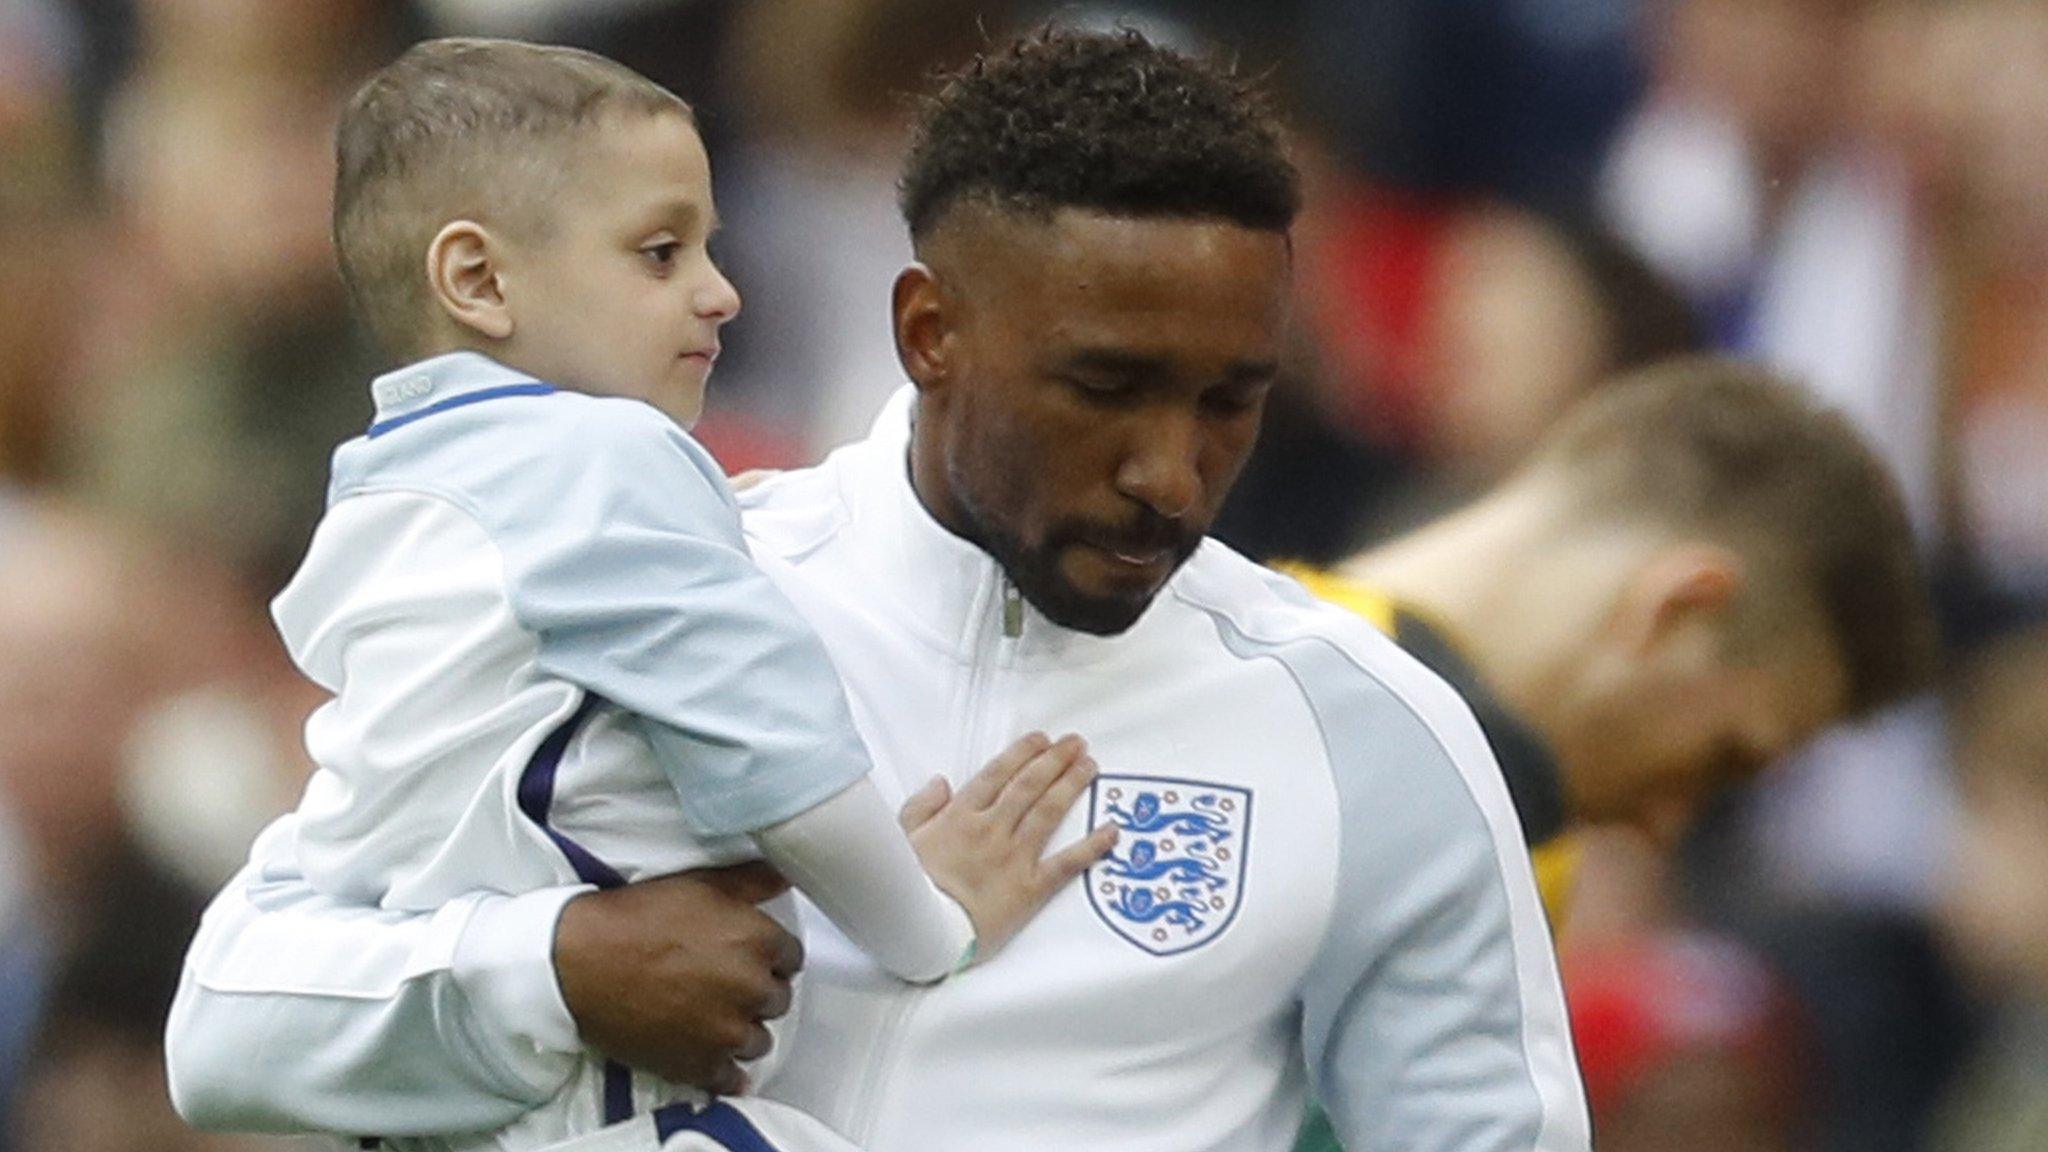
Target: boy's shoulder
point(521, 455)
point(532, 426)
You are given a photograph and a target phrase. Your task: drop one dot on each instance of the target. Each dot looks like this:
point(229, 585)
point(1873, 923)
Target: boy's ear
point(464, 277)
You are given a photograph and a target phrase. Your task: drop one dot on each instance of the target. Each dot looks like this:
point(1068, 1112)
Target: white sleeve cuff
point(505, 965)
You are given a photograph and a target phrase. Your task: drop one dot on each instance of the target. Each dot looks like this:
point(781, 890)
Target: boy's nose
point(717, 299)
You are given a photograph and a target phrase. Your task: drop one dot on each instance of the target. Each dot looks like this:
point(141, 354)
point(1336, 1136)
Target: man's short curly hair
point(1107, 122)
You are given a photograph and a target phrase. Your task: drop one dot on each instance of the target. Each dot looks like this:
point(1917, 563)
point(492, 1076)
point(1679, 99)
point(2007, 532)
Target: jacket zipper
point(1013, 609)
point(975, 742)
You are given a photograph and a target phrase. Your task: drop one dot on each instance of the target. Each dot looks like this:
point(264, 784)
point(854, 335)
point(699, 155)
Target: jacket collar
point(416, 387)
point(952, 593)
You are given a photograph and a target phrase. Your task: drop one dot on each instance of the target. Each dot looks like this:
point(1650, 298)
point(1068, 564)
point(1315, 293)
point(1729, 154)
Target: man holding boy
point(1320, 884)
point(550, 656)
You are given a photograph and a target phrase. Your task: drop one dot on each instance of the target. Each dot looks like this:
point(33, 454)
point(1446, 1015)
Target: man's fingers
point(1030, 784)
point(775, 1002)
point(750, 883)
point(752, 477)
point(987, 784)
point(766, 995)
point(785, 955)
point(756, 1045)
point(1075, 858)
point(727, 1081)
point(924, 804)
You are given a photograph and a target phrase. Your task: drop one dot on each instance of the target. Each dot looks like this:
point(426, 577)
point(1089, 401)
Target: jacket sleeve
point(1432, 1017)
point(631, 568)
point(297, 1013)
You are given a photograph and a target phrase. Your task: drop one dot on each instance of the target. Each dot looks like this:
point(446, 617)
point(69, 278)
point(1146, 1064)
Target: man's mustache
point(1147, 534)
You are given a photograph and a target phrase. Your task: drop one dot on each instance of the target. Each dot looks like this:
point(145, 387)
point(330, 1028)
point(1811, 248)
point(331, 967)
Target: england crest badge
point(1175, 878)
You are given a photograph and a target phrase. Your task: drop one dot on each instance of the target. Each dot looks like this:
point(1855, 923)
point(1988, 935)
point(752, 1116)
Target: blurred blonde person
point(1695, 572)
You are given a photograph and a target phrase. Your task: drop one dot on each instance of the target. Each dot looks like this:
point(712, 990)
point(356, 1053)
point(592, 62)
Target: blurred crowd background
point(1510, 200)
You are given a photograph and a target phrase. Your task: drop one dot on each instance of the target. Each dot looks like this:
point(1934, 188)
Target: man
point(1319, 882)
point(1695, 572)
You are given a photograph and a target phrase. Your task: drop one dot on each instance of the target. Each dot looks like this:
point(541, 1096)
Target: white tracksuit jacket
point(1320, 888)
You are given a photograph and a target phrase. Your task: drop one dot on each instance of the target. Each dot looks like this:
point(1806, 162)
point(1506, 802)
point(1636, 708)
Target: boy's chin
point(684, 416)
point(683, 400)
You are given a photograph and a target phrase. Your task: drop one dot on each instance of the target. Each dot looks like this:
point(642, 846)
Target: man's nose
point(1162, 469)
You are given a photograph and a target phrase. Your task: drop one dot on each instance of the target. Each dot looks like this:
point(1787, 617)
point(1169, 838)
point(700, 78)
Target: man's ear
point(918, 308)
point(464, 276)
point(1677, 591)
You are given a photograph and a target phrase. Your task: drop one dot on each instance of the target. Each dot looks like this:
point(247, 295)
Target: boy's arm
point(636, 577)
point(296, 1012)
point(1432, 1017)
point(627, 561)
point(986, 847)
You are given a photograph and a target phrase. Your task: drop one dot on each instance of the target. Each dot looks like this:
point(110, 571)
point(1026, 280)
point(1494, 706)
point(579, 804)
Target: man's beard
point(1036, 573)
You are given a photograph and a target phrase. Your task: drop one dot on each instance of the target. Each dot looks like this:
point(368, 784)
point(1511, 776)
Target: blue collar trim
point(478, 396)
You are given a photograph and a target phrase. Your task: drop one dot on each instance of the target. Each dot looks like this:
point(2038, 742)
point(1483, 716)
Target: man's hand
point(675, 976)
point(985, 846)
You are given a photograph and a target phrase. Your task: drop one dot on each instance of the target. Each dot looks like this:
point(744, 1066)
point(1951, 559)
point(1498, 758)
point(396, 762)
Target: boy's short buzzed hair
point(1732, 451)
point(460, 129)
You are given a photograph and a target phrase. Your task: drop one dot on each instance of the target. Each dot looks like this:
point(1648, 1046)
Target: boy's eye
point(663, 254)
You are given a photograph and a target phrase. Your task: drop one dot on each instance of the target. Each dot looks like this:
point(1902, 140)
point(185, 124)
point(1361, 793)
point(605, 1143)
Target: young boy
point(552, 657)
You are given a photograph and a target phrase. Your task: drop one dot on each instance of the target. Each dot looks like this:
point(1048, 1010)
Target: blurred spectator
point(1758, 176)
point(687, 46)
point(1446, 352)
point(204, 770)
point(1963, 90)
point(804, 109)
point(222, 367)
point(539, 19)
point(1748, 179)
point(1532, 313)
point(41, 179)
point(810, 200)
point(93, 628)
point(1996, 902)
point(98, 1079)
point(1506, 98)
point(1688, 1043)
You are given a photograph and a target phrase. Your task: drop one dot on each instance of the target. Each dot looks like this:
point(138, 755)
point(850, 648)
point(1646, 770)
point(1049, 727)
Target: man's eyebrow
point(1148, 369)
point(1114, 362)
point(1252, 372)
